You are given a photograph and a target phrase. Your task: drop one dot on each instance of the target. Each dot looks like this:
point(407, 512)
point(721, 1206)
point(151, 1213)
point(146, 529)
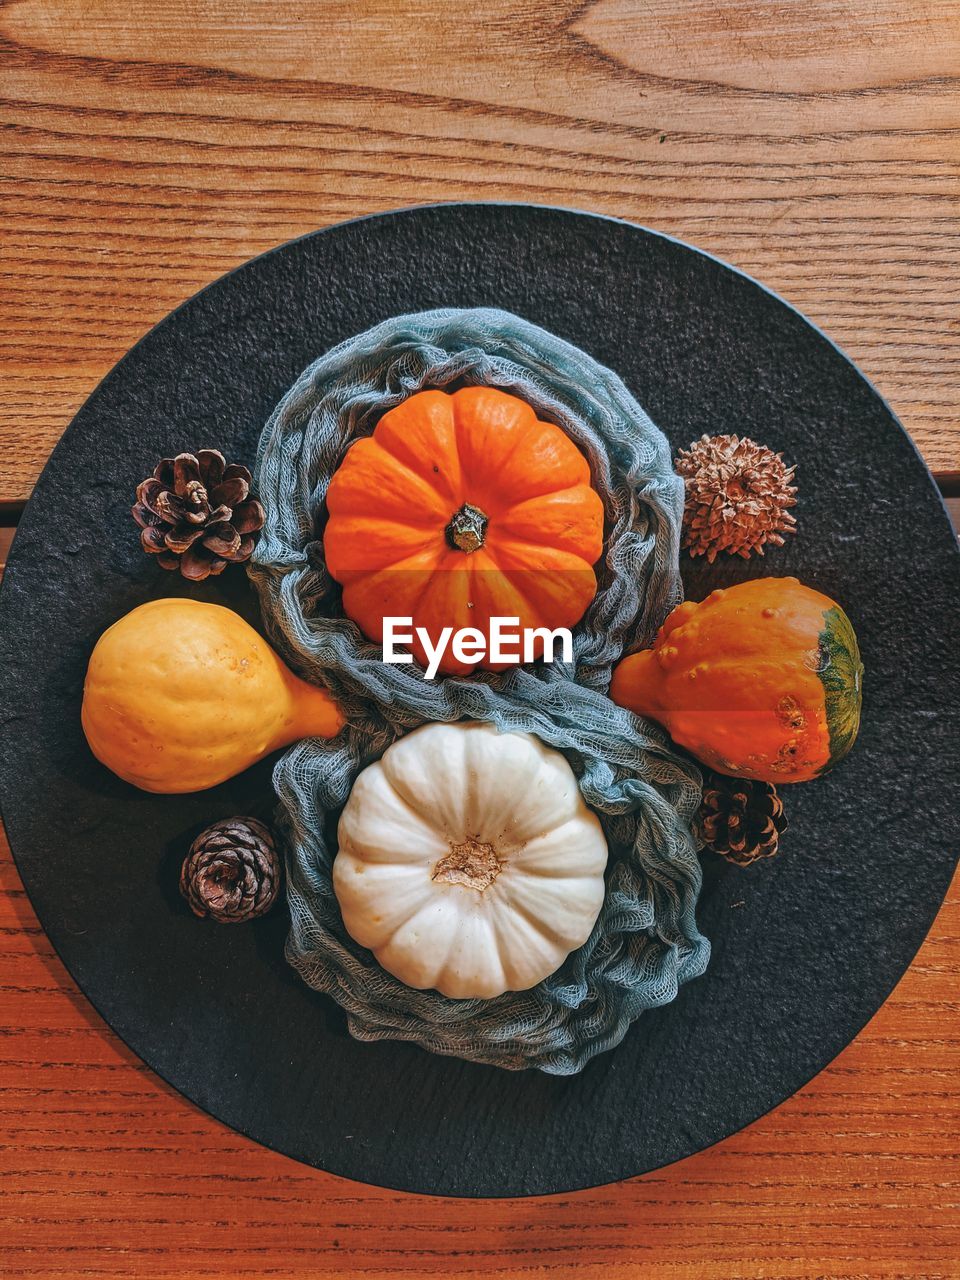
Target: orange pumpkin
point(761, 680)
point(460, 508)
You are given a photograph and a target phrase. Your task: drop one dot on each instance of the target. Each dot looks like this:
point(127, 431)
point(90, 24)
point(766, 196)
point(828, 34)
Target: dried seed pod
point(232, 872)
point(196, 514)
point(740, 819)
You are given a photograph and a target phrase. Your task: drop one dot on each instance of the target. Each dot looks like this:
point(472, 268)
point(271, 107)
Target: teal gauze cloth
point(645, 943)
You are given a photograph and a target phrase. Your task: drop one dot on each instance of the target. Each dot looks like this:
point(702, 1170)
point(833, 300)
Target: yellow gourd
point(181, 695)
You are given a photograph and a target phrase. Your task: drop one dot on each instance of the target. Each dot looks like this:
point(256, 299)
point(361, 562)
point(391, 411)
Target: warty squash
point(761, 680)
point(181, 695)
point(460, 508)
point(468, 861)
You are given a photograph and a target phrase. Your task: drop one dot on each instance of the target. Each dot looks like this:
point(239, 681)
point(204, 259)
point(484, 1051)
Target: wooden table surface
point(148, 149)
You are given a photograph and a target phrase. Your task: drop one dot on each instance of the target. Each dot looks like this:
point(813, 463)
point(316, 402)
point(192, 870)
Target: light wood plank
point(107, 1172)
point(812, 145)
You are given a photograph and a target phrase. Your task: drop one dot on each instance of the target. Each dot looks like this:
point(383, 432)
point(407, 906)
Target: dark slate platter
point(805, 949)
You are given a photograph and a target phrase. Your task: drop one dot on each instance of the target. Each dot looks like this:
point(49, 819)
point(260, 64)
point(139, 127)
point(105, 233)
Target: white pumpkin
point(468, 861)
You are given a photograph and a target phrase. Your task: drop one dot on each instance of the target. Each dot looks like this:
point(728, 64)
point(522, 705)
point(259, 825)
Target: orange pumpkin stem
point(467, 529)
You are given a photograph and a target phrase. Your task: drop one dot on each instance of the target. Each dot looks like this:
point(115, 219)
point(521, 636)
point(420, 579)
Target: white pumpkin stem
point(473, 864)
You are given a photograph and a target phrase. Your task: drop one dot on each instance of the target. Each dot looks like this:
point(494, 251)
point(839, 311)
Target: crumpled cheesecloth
point(645, 943)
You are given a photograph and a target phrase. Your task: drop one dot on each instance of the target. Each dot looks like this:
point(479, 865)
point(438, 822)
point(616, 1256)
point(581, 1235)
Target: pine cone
point(740, 819)
point(737, 496)
point(232, 872)
point(196, 514)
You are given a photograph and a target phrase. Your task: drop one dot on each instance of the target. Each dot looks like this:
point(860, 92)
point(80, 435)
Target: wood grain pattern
point(145, 153)
point(813, 145)
point(105, 1171)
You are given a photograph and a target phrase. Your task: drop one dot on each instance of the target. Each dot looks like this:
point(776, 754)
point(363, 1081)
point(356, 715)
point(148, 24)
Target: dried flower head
point(738, 495)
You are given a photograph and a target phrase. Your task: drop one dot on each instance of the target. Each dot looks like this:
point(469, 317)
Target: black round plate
point(805, 948)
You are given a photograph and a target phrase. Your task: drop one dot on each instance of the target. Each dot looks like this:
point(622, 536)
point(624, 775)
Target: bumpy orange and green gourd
point(181, 695)
point(761, 680)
